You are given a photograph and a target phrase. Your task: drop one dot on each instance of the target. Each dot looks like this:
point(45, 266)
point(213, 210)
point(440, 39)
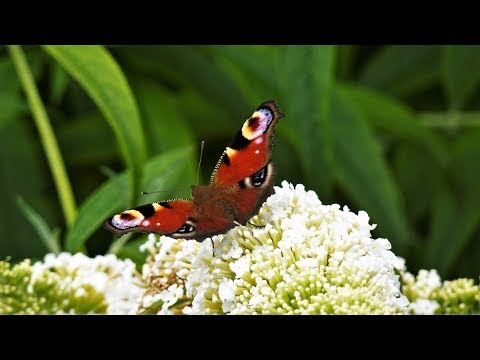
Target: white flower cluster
point(171, 263)
point(108, 275)
point(302, 257)
point(421, 289)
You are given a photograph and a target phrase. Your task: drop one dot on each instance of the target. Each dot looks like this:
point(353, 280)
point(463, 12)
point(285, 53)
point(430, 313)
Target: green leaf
point(58, 82)
point(74, 135)
point(345, 60)
point(47, 135)
point(207, 118)
point(467, 264)
point(402, 70)
point(456, 212)
point(8, 77)
point(363, 173)
point(188, 66)
point(49, 236)
point(416, 176)
point(390, 115)
point(12, 106)
point(132, 251)
point(98, 73)
point(161, 172)
point(165, 122)
point(9, 80)
point(307, 76)
point(442, 227)
point(23, 172)
point(460, 75)
point(252, 68)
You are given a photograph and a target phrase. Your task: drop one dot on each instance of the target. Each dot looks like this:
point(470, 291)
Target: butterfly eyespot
point(185, 229)
point(259, 177)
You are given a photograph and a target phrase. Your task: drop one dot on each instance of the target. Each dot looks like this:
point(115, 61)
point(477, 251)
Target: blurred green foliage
point(393, 130)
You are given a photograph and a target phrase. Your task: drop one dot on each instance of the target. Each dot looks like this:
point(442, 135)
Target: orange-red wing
point(250, 149)
point(218, 209)
point(240, 183)
point(252, 192)
point(163, 218)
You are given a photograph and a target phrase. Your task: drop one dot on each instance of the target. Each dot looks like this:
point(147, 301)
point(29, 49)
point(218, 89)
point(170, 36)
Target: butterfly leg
point(213, 247)
point(257, 226)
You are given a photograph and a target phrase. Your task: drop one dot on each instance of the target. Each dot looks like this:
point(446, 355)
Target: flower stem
point(47, 136)
point(117, 245)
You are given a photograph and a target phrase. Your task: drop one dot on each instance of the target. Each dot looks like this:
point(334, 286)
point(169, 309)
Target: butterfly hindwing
point(218, 209)
point(253, 191)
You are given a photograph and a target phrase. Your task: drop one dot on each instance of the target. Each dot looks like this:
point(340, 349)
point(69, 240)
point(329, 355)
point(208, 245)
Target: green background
point(392, 130)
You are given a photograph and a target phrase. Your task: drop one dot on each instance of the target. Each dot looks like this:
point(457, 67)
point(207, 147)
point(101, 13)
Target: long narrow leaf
point(49, 236)
point(161, 112)
point(442, 228)
point(390, 115)
point(101, 77)
point(132, 251)
point(307, 74)
point(416, 175)
point(12, 107)
point(189, 66)
point(87, 129)
point(460, 73)
point(363, 172)
point(252, 68)
point(456, 213)
point(23, 173)
point(48, 138)
point(402, 70)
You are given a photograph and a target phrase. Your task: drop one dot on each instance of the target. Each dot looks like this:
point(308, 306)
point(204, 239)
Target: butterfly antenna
point(152, 192)
point(200, 159)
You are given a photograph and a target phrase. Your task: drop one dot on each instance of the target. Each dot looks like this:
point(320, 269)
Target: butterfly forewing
point(164, 218)
point(251, 147)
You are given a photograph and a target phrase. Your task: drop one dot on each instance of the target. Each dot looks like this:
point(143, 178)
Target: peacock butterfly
point(241, 181)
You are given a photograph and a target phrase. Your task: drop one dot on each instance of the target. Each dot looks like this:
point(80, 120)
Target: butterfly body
point(242, 180)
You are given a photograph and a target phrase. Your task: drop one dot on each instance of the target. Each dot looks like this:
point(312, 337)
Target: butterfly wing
point(250, 149)
point(242, 180)
point(251, 192)
point(172, 218)
point(217, 210)
point(245, 175)
point(245, 168)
